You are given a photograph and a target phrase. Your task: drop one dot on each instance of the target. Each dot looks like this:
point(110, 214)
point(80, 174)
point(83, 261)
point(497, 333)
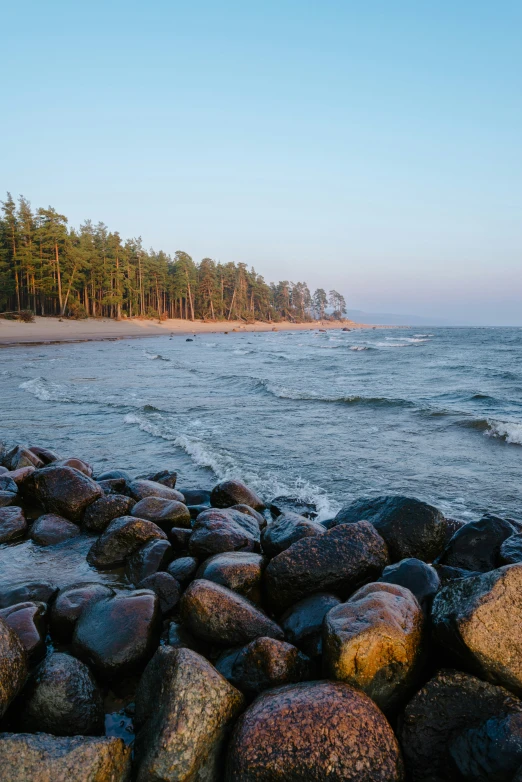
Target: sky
point(371, 146)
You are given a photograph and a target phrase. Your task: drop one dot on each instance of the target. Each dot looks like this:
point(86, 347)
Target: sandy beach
point(52, 330)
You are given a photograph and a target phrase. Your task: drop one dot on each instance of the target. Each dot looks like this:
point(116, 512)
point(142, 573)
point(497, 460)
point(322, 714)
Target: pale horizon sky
point(374, 148)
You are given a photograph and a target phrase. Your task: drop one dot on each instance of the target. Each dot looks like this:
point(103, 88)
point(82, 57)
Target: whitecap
point(510, 432)
point(45, 391)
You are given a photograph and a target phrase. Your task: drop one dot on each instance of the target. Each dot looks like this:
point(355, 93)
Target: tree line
point(51, 269)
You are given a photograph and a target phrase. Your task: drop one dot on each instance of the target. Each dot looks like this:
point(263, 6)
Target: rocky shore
point(241, 639)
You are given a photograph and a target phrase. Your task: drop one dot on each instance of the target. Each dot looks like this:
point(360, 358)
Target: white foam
point(45, 391)
point(510, 432)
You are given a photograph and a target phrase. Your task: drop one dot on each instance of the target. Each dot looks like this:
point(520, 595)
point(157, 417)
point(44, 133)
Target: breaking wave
point(282, 392)
point(45, 391)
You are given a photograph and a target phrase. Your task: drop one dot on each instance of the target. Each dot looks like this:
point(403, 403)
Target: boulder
point(122, 538)
point(217, 615)
point(476, 546)
point(313, 731)
point(229, 493)
point(7, 498)
point(134, 620)
point(31, 591)
point(339, 561)
point(114, 486)
point(44, 454)
point(180, 539)
point(251, 512)
point(410, 528)
point(165, 477)
point(195, 510)
point(12, 524)
point(65, 491)
point(511, 550)
point(414, 574)
point(265, 663)
point(183, 569)
point(303, 622)
point(241, 571)
point(41, 758)
point(29, 622)
point(479, 620)
point(165, 587)
point(118, 475)
point(287, 529)
point(196, 497)
point(448, 574)
point(165, 513)
point(50, 529)
point(448, 704)
point(76, 464)
point(184, 711)
point(21, 476)
point(62, 698)
point(216, 531)
point(153, 556)
point(21, 457)
point(373, 641)
point(101, 512)
point(139, 489)
point(490, 751)
point(70, 603)
point(13, 666)
point(452, 526)
point(281, 505)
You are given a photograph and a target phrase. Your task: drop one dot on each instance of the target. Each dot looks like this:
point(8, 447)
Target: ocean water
point(330, 417)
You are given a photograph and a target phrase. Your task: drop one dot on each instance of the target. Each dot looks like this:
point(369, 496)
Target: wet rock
point(229, 493)
point(448, 704)
point(196, 496)
point(339, 561)
point(179, 539)
point(139, 489)
point(147, 560)
point(29, 622)
point(195, 510)
point(165, 477)
point(51, 529)
point(217, 531)
point(69, 604)
point(313, 731)
point(409, 527)
point(452, 526)
point(65, 491)
point(134, 619)
point(180, 638)
point(7, 498)
point(41, 758)
point(183, 569)
point(281, 505)
point(21, 476)
point(99, 515)
point(122, 538)
point(7, 484)
point(76, 464)
point(476, 546)
point(114, 486)
point(184, 710)
point(511, 550)
point(165, 587)
point(240, 571)
point(265, 663)
point(414, 574)
point(251, 512)
point(21, 457)
point(287, 529)
point(165, 513)
point(373, 641)
point(119, 475)
point(12, 524)
point(44, 454)
point(217, 615)
point(303, 622)
point(32, 591)
point(490, 751)
point(447, 574)
point(479, 620)
point(3, 470)
point(62, 698)
point(13, 665)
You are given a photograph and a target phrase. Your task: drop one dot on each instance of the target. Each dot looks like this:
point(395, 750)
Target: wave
point(282, 392)
point(154, 356)
point(509, 431)
point(361, 347)
point(45, 391)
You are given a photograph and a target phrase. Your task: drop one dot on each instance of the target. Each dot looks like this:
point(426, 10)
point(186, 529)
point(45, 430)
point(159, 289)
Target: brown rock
point(250, 512)
point(147, 560)
point(140, 489)
point(21, 457)
point(217, 531)
point(229, 493)
point(122, 538)
point(44, 454)
point(163, 512)
point(165, 587)
point(29, 622)
point(12, 524)
point(51, 529)
point(287, 529)
point(104, 510)
point(240, 571)
point(13, 665)
point(70, 603)
point(76, 464)
point(265, 663)
point(65, 491)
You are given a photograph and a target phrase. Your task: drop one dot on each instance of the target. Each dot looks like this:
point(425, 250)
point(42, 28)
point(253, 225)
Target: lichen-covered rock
point(29, 622)
point(45, 758)
point(476, 546)
point(313, 731)
point(216, 531)
point(303, 622)
point(217, 615)
point(102, 511)
point(373, 641)
point(70, 603)
point(229, 493)
point(13, 665)
point(414, 574)
point(265, 663)
point(338, 561)
point(50, 529)
point(12, 524)
point(287, 529)
point(122, 538)
point(240, 571)
point(65, 491)
point(184, 710)
point(165, 513)
point(140, 488)
point(147, 560)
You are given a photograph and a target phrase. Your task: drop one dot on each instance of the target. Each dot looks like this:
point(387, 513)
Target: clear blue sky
point(374, 147)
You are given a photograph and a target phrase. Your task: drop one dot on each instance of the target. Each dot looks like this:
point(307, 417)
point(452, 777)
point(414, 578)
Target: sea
point(328, 417)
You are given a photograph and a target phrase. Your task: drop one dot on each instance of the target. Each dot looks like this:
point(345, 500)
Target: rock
point(21, 457)
point(33, 591)
point(62, 698)
point(251, 512)
point(373, 642)
point(184, 710)
point(13, 666)
point(490, 751)
point(476, 546)
point(180, 539)
point(76, 464)
point(147, 560)
point(114, 486)
point(448, 704)
point(3, 470)
point(511, 550)
point(339, 561)
point(29, 622)
point(139, 489)
point(287, 529)
point(46, 758)
point(303, 622)
point(313, 731)
point(265, 663)
point(281, 505)
point(7, 484)
point(12, 524)
point(179, 637)
point(240, 571)
point(183, 569)
point(65, 491)
point(414, 574)
point(118, 475)
point(101, 512)
point(134, 620)
point(7, 498)
point(195, 510)
point(479, 620)
point(196, 496)
point(51, 529)
point(166, 588)
point(215, 614)
point(44, 454)
point(122, 538)
point(452, 526)
point(165, 477)
point(217, 531)
point(229, 493)
point(21, 476)
point(70, 603)
point(165, 513)
point(409, 527)
point(447, 574)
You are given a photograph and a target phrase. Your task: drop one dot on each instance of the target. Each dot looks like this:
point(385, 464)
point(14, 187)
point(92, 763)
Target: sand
point(53, 330)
